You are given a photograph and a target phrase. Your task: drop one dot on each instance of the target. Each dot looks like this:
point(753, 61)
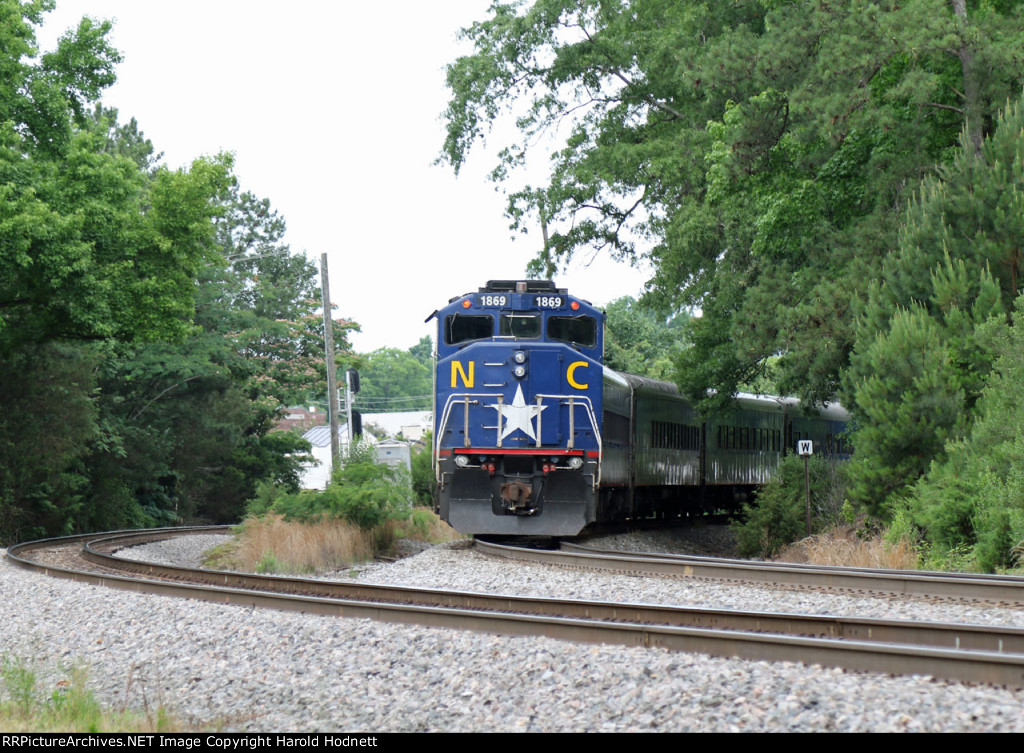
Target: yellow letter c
point(569, 375)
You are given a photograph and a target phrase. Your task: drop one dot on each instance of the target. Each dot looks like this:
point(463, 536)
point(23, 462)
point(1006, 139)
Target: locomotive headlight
point(519, 356)
point(461, 460)
point(519, 372)
point(575, 463)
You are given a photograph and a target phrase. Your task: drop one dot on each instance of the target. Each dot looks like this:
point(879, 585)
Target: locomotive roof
point(532, 286)
point(511, 286)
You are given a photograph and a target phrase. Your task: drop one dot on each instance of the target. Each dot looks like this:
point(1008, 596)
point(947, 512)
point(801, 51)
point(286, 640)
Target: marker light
point(575, 305)
point(519, 356)
point(466, 303)
point(575, 463)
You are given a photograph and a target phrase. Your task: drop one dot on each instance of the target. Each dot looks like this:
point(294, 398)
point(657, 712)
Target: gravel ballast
point(241, 669)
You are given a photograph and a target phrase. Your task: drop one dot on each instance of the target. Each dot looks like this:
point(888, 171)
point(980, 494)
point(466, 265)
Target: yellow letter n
point(457, 371)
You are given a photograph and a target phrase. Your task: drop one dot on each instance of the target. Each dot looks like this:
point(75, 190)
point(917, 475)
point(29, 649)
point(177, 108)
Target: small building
point(395, 453)
point(318, 474)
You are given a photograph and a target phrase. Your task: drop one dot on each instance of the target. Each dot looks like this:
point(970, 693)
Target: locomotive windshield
point(575, 330)
point(460, 328)
point(519, 325)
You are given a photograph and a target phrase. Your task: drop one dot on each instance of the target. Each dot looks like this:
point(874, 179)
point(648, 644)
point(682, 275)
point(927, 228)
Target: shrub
point(267, 493)
point(778, 516)
point(423, 474)
point(362, 492)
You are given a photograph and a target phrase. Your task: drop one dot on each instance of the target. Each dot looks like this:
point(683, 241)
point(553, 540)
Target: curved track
point(961, 652)
point(1003, 590)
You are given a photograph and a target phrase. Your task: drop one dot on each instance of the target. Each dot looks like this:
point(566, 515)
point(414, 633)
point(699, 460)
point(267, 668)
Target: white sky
point(333, 112)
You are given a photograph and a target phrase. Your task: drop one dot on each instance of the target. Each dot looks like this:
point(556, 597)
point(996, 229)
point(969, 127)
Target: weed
point(424, 525)
point(222, 556)
point(958, 559)
point(19, 683)
point(268, 564)
point(69, 707)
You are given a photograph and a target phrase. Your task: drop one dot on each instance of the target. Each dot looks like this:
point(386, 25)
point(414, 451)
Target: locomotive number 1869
point(549, 302)
point(493, 300)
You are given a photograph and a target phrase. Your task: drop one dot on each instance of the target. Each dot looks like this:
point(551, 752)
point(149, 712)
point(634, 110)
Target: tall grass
point(842, 546)
point(272, 545)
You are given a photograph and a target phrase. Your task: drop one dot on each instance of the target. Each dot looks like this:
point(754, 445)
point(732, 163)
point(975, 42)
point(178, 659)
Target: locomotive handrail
point(461, 397)
point(586, 402)
point(572, 400)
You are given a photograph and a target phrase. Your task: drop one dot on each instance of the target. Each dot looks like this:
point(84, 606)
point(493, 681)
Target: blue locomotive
point(534, 436)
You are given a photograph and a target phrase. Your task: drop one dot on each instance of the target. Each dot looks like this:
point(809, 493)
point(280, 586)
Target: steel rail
point(568, 546)
point(693, 630)
point(982, 588)
point(941, 635)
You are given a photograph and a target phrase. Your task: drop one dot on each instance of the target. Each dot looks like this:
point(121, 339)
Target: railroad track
point(950, 651)
point(995, 590)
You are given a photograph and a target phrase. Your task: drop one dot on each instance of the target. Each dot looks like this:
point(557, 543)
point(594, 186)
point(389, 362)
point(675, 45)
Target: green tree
point(265, 301)
point(423, 351)
point(152, 324)
point(909, 406)
point(919, 364)
point(973, 494)
point(640, 341)
point(757, 153)
point(99, 251)
point(197, 417)
point(124, 139)
point(91, 246)
point(394, 380)
point(48, 426)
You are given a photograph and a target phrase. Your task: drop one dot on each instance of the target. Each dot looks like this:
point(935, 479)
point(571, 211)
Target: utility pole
point(332, 379)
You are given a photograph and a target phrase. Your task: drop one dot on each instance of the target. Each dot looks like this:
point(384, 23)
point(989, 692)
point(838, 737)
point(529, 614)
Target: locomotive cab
point(517, 433)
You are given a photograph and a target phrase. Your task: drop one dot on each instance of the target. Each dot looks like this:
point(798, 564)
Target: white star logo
point(518, 415)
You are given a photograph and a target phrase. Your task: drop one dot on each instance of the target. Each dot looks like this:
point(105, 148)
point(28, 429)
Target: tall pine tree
point(958, 266)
